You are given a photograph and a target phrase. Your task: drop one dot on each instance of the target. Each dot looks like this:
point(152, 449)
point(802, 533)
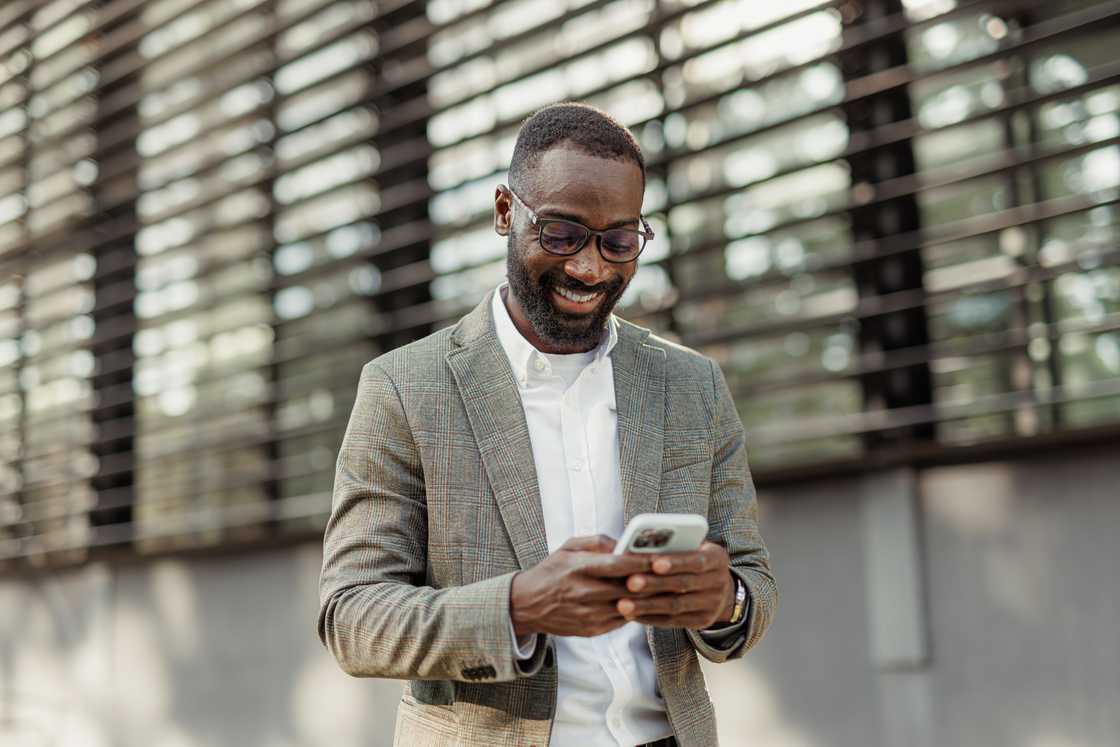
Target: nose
point(587, 265)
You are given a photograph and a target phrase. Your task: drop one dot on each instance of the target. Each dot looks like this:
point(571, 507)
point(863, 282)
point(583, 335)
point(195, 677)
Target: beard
point(555, 327)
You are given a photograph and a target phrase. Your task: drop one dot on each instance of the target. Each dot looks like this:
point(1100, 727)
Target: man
point(486, 468)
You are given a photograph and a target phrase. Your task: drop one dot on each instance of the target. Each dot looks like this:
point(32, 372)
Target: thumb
point(592, 543)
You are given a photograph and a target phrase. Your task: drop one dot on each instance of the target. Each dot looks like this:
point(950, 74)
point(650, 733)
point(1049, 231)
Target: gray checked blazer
point(436, 506)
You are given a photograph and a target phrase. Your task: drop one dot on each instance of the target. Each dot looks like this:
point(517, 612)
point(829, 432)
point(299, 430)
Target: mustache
point(575, 286)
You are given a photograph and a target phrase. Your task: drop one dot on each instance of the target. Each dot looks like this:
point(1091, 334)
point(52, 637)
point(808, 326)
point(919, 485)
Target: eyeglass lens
point(561, 237)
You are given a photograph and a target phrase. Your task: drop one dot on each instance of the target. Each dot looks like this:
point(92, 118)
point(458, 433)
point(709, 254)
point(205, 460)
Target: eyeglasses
point(567, 237)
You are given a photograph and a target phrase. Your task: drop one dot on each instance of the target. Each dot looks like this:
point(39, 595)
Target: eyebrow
point(577, 219)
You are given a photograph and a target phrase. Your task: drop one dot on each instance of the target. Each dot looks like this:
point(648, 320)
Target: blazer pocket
point(688, 467)
point(422, 724)
point(681, 453)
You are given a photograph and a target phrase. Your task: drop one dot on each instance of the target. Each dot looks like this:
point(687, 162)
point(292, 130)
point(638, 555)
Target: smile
point(576, 297)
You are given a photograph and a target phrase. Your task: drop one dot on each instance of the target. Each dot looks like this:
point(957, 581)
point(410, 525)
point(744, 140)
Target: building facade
point(892, 222)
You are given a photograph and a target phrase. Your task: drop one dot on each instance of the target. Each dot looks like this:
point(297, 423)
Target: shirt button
point(577, 464)
point(539, 364)
point(616, 722)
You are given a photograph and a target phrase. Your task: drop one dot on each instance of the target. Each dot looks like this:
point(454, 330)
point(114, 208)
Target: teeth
point(575, 296)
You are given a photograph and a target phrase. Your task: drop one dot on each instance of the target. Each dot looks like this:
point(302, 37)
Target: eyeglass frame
point(539, 221)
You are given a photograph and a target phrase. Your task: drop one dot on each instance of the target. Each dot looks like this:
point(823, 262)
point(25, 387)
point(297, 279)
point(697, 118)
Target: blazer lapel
point(489, 391)
point(639, 385)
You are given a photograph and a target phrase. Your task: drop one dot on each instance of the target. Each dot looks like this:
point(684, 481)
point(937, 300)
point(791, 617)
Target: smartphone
point(663, 533)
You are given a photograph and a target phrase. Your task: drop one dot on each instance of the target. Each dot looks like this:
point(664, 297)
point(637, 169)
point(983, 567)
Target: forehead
point(601, 191)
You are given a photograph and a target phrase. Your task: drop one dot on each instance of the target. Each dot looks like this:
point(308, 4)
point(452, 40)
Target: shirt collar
point(521, 352)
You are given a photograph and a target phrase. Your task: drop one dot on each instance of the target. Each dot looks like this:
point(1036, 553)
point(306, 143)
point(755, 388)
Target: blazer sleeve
point(733, 522)
point(378, 616)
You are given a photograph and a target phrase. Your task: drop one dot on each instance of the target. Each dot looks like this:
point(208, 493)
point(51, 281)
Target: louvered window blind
point(894, 224)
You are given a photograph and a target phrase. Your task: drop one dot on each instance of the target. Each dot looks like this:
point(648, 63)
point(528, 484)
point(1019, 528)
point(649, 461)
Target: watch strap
point(740, 600)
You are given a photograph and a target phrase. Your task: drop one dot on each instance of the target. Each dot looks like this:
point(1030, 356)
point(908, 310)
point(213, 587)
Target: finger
point(585, 589)
point(709, 557)
point(716, 553)
point(615, 566)
point(665, 604)
point(592, 543)
point(678, 583)
point(680, 562)
point(595, 615)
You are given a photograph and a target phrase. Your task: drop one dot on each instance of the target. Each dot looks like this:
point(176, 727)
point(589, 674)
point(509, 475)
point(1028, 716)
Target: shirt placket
point(622, 687)
point(573, 422)
point(576, 419)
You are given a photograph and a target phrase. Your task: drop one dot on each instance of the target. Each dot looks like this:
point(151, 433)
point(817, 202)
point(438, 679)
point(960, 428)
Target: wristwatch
point(740, 601)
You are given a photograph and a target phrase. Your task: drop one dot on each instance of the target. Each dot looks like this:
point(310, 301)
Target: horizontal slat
point(106, 14)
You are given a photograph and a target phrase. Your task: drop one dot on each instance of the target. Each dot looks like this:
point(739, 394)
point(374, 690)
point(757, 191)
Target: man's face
point(597, 192)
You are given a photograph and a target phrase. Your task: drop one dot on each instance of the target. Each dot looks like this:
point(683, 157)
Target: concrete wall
point(972, 605)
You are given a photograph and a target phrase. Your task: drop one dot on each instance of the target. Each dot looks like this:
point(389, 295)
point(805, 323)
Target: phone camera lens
point(653, 538)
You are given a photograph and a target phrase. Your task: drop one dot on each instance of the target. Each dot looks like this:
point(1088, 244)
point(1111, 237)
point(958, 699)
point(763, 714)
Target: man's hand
point(685, 590)
point(575, 590)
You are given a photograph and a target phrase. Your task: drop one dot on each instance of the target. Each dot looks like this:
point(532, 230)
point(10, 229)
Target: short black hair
point(580, 126)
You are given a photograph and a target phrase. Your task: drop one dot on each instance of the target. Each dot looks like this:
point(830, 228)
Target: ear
point(503, 210)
